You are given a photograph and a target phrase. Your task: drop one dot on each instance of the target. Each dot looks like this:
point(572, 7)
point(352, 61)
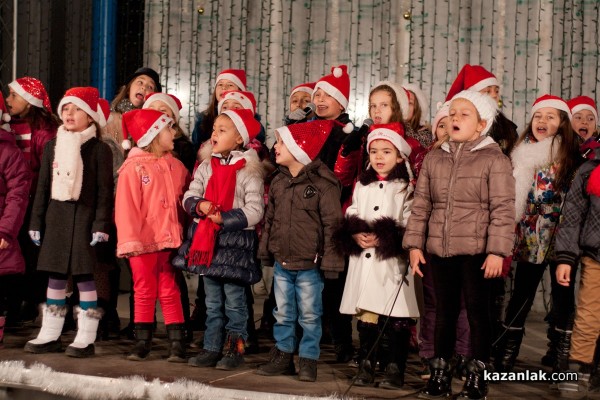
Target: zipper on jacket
point(450, 202)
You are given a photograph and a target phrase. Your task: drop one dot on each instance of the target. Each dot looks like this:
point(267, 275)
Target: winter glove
point(98, 237)
point(35, 237)
point(297, 115)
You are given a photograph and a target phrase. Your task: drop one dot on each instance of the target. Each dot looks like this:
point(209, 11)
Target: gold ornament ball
point(406, 15)
point(200, 10)
point(500, 103)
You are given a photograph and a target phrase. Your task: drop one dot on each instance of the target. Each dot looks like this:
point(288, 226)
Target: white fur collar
point(527, 159)
point(67, 168)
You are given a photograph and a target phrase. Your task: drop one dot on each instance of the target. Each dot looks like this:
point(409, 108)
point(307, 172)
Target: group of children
point(346, 218)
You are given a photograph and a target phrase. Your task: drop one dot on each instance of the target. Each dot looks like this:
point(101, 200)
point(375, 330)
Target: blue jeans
point(298, 297)
point(233, 297)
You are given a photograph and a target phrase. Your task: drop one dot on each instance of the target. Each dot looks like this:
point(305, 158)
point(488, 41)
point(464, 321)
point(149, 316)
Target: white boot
point(48, 340)
point(87, 328)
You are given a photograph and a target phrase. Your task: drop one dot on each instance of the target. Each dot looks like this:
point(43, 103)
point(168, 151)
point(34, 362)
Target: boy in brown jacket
point(303, 212)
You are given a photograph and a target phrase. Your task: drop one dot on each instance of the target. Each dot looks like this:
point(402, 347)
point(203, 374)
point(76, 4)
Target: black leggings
point(451, 276)
point(527, 279)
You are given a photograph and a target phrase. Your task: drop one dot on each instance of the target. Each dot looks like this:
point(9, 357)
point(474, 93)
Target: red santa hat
point(103, 112)
point(85, 98)
point(472, 77)
point(246, 99)
point(442, 112)
point(307, 87)
point(401, 94)
point(305, 140)
point(581, 103)
point(237, 76)
point(144, 125)
point(548, 100)
point(336, 84)
point(171, 101)
point(33, 91)
point(485, 105)
point(393, 133)
point(4, 115)
point(245, 123)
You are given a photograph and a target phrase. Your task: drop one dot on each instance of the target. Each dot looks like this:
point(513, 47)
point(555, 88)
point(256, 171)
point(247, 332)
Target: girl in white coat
point(377, 285)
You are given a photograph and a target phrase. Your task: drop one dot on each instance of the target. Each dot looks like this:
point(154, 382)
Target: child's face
point(225, 136)
point(17, 106)
point(545, 123)
point(231, 104)
point(74, 118)
point(411, 106)
point(224, 85)
point(299, 100)
point(380, 107)
point(327, 106)
point(282, 153)
point(442, 128)
point(164, 140)
point(383, 156)
point(492, 91)
point(464, 122)
point(584, 124)
point(161, 106)
point(140, 87)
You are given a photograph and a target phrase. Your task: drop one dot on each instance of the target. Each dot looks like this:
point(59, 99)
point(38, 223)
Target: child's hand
point(492, 266)
point(3, 244)
point(205, 207)
point(563, 274)
point(365, 240)
point(216, 217)
point(35, 237)
point(416, 258)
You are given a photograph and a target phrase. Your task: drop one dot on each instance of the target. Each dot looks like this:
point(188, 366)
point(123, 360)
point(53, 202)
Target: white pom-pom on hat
point(126, 144)
point(349, 127)
point(337, 72)
point(5, 117)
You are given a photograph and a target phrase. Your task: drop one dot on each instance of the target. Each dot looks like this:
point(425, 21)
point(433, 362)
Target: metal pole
point(104, 49)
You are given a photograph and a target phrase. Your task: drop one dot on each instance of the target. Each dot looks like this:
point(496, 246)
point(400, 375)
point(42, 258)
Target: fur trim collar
point(527, 158)
point(67, 168)
point(399, 172)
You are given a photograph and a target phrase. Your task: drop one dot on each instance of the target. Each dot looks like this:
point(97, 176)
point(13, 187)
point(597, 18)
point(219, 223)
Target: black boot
point(475, 386)
point(394, 370)
point(143, 336)
point(440, 383)
point(280, 363)
point(549, 359)
point(508, 349)
point(176, 334)
point(563, 347)
point(233, 352)
point(367, 335)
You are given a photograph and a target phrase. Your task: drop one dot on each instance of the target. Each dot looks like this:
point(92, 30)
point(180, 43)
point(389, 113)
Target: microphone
point(299, 115)
point(354, 140)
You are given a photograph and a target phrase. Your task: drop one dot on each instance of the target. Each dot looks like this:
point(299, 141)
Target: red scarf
point(220, 190)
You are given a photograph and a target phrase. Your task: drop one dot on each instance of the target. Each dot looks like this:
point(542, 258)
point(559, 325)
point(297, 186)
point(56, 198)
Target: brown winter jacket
point(464, 201)
point(301, 217)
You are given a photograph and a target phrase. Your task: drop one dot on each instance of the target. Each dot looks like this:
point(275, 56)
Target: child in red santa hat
point(300, 98)
point(584, 119)
point(72, 212)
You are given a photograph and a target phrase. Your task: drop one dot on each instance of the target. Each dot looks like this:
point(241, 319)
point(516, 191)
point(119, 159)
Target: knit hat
point(245, 123)
point(485, 105)
point(85, 98)
point(33, 91)
point(237, 76)
point(149, 72)
point(246, 99)
point(581, 103)
point(307, 87)
point(393, 133)
point(170, 100)
point(472, 77)
point(401, 94)
point(103, 112)
point(422, 99)
point(548, 100)
point(442, 112)
point(4, 115)
point(144, 125)
point(305, 140)
point(336, 84)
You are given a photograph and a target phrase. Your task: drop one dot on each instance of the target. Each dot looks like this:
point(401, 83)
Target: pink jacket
point(148, 210)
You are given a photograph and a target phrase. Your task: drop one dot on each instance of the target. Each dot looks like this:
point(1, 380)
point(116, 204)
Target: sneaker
point(308, 370)
point(205, 358)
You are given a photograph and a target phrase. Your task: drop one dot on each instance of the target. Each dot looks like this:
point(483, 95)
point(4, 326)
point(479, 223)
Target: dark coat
point(66, 226)
point(15, 179)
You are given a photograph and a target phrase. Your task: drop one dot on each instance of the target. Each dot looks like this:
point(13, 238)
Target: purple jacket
point(15, 180)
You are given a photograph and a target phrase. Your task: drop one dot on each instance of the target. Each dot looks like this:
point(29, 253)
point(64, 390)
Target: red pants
point(154, 278)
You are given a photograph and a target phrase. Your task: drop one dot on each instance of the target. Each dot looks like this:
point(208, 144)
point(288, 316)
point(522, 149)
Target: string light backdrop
point(533, 46)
